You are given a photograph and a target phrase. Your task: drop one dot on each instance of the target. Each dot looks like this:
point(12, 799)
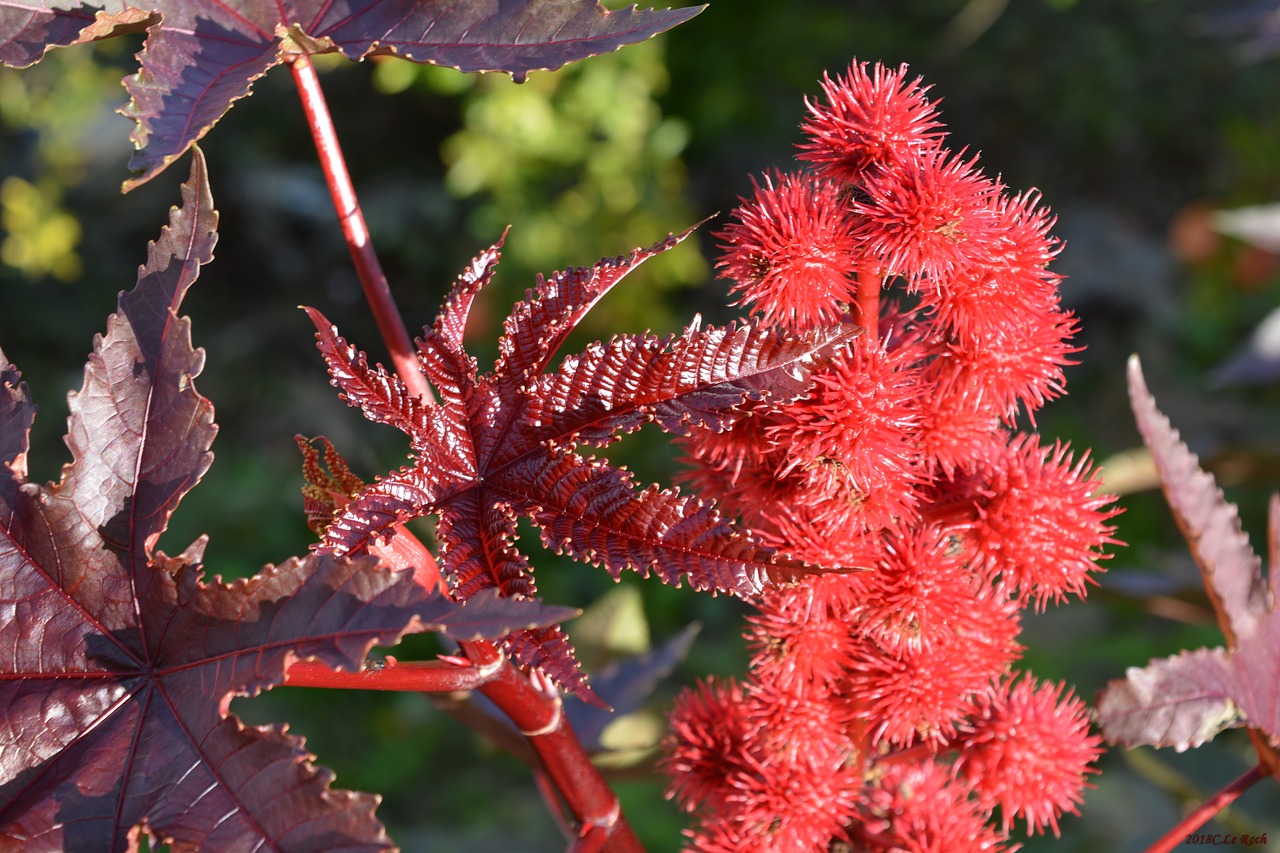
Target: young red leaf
point(698, 379)
point(117, 662)
point(502, 445)
point(201, 56)
point(1187, 699)
point(593, 512)
point(539, 324)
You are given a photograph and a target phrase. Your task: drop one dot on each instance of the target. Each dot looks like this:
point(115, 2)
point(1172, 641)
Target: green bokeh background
point(1123, 112)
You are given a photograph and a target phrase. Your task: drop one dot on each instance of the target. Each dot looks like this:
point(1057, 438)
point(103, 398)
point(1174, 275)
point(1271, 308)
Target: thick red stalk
point(539, 715)
point(354, 229)
point(404, 550)
point(1177, 836)
point(417, 676)
point(869, 303)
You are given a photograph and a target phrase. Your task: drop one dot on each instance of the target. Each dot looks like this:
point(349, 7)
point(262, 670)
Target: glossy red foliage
point(505, 443)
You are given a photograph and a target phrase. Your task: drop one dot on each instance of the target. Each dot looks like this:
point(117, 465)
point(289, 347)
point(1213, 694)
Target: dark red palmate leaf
point(1185, 700)
point(117, 663)
point(489, 616)
point(503, 445)
point(202, 55)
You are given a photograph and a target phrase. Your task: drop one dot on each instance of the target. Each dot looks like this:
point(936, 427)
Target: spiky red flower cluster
point(881, 710)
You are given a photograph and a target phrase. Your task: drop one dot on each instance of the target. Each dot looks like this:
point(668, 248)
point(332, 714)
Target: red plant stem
point(416, 676)
point(869, 303)
point(354, 229)
point(555, 803)
point(909, 755)
point(539, 715)
point(881, 839)
point(956, 515)
point(403, 550)
point(1178, 835)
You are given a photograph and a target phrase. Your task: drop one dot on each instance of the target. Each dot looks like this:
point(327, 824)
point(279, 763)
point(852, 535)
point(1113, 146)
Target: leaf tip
point(1133, 369)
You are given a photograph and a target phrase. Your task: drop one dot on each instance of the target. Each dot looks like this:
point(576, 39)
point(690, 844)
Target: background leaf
point(1185, 700)
point(1231, 569)
point(1182, 702)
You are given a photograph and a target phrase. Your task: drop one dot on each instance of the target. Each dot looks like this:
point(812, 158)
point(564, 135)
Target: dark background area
point(1133, 120)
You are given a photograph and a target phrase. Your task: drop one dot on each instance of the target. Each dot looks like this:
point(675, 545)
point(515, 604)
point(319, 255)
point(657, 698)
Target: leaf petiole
point(354, 229)
point(1207, 810)
point(413, 676)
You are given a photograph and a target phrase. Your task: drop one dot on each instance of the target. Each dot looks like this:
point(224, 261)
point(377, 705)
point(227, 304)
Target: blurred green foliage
point(583, 162)
point(41, 236)
point(1112, 105)
point(588, 149)
point(57, 104)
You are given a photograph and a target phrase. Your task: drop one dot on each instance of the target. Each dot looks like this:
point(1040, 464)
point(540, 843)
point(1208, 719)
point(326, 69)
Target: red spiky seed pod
point(1029, 752)
point(790, 252)
point(867, 121)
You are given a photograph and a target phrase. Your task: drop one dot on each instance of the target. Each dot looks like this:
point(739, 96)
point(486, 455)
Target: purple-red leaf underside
point(203, 55)
point(1180, 702)
point(1232, 571)
point(97, 739)
point(29, 28)
point(16, 416)
point(488, 615)
point(1273, 544)
point(1185, 700)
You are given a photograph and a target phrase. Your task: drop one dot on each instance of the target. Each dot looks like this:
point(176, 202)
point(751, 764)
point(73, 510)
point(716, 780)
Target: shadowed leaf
point(626, 684)
point(489, 616)
point(117, 662)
